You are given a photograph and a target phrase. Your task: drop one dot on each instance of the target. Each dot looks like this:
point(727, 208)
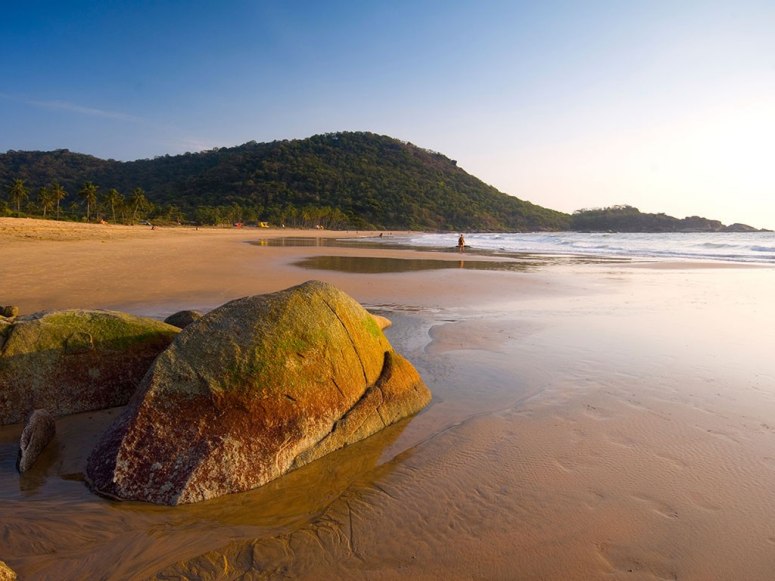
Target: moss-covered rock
point(75, 360)
point(256, 388)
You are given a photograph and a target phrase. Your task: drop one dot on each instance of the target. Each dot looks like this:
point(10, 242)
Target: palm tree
point(114, 199)
point(138, 202)
point(45, 200)
point(17, 193)
point(59, 194)
point(89, 194)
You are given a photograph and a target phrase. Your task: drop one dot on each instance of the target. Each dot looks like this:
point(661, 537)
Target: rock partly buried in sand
point(183, 319)
point(75, 360)
point(9, 311)
point(5, 329)
point(6, 573)
point(39, 430)
point(258, 387)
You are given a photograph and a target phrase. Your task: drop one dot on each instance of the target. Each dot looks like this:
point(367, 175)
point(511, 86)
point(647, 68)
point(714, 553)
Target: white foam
point(755, 247)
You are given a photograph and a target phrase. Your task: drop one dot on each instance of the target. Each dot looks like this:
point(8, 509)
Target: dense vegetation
point(339, 180)
point(629, 219)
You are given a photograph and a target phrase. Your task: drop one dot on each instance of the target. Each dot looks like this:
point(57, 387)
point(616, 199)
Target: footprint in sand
point(628, 560)
point(597, 413)
point(718, 434)
point(657, 506)
point(700, 501)
point(593, 499)
point(674, 460)
point(564, 465)
point(621, 440)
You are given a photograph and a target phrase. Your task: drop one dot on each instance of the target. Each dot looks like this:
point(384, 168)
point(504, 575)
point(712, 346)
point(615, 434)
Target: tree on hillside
point(207, 215)
point(169, 213)
point(45, 200)
point(138, 203)
point(113, 200)
point(58, 193)
point(17, 193)
point(89, 195)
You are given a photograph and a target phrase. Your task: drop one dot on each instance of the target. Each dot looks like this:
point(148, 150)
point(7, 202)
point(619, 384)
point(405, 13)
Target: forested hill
point(630, 219)
point(345, 180)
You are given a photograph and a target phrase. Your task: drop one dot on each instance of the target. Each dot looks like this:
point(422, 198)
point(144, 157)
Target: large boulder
point(258, 387)
point(75, 360)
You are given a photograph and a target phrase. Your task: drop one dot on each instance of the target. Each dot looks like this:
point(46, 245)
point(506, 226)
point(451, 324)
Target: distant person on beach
point(461, 243)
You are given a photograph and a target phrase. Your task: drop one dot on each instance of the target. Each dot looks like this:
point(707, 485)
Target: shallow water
point(471, 258)
point(625, 430)
point(54, 527)
point(751, 247)
point(374, 265)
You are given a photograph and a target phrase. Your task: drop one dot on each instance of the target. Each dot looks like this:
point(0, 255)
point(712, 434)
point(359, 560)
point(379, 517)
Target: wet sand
point(589, 420)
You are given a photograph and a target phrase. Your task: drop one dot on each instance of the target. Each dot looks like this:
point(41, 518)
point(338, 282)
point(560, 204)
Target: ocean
point(750, 247)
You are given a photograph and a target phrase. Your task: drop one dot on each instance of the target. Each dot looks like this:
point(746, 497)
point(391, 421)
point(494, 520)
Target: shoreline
point(206, 268)
point(57, 265)
point(588, 420)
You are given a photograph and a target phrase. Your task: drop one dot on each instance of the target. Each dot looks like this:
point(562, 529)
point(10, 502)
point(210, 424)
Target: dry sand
point(589, 421)
point(52, 265)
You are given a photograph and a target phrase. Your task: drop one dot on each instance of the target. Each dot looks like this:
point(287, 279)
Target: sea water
point(752, 247)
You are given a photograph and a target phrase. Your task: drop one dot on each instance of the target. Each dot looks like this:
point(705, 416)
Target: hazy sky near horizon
point(665, 105)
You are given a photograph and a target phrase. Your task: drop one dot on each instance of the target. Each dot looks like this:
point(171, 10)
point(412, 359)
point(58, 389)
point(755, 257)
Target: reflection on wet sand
point(597, 436)
point(374, 265)
point(381, 524)
point(316, 241)
point(501, 260)
point(63, 531)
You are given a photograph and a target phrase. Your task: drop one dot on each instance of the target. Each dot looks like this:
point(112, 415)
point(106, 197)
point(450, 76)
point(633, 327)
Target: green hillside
point(340, 180)
point(630, 219)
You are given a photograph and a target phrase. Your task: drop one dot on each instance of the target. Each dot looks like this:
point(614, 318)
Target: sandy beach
point(611, 419)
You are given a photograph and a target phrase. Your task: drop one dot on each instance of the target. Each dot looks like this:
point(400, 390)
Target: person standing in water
point(461, 243)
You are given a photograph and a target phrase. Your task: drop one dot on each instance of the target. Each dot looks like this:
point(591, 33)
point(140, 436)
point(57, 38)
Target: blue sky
point(668, 106)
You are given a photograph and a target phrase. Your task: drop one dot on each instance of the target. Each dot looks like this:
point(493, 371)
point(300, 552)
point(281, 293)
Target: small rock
point(39, 430)
point(5, 327)
point(183, 319)
point(9, 311)
point(382, 322)
point(6, 573)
